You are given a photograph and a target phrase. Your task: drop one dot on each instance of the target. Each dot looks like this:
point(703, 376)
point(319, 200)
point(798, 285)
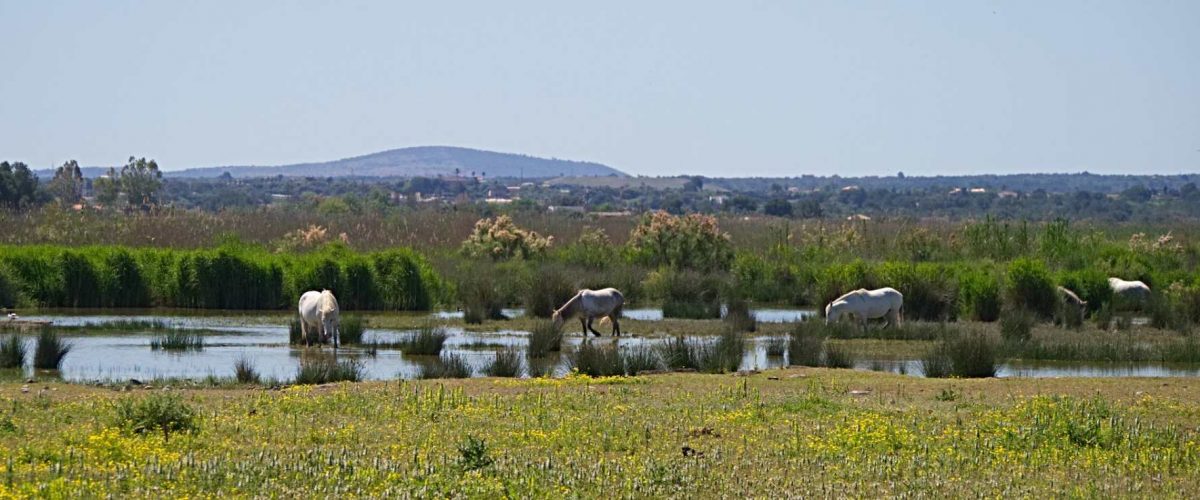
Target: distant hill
point(426, 161)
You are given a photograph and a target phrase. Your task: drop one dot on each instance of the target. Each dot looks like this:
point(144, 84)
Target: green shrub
point(158, 412)
point(686, 294)
point(544, 338)
point(1091, 285)
point(473, 455)
point(9, 291)
point(967, 355)
point(640, 359)
point(979, 295)
point(50, 350)
point(936, 362)
point(1029, 287)
point(501, 239)
point(738, 316)
point(507, 363)
point(806, 343)
point(12, 352)
point(930, 293)
point(480, 295)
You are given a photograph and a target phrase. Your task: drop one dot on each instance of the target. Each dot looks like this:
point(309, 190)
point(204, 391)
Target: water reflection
point(122, 355)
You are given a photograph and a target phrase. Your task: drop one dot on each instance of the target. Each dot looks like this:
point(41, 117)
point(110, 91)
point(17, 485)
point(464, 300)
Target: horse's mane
point(569, 308)
point(328, 302)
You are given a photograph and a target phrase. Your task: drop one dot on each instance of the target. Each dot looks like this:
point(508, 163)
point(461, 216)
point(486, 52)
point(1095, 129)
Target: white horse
point(592, 304)
point(865, 304)
point(319, 313)
point(1133, 292)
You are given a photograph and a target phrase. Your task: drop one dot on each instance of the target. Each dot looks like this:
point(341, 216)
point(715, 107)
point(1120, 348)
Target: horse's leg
point(304, 331)
point(616, 327)
point(583, 323)
point(589, 326)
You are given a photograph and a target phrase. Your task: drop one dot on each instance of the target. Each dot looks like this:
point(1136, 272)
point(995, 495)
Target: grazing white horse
point(319, 313)
point(1072, 301)
point(1131, 291)
point(592, 304)
point(865, 304)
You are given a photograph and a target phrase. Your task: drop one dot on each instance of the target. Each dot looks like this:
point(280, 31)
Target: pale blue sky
point(654, 88)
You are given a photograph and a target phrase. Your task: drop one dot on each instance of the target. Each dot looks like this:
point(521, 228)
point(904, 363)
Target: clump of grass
point(1016, 325)
point(540, 368)
point(640, 359)
point(450, 366)
point(473, 454)
point(544, 338)
point(1103, 317)
point(967, 355)
point(481, 297)
point(166, 413)
point(777, 346)
point(12, 352)
point(351, 329)
point(326, 369)
point(295, 332)
point(244, 371)
point(597, 361)
point(738, 316)
point(725, 355)
point(50, 350)
point(127, 325)
point(507, 363)
point(177, 340)
point(427, 341)
point(545, 290)
point(806, 342)
point(837, 357)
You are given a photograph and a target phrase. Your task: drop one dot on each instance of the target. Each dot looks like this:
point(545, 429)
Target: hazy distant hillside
point(427, 161)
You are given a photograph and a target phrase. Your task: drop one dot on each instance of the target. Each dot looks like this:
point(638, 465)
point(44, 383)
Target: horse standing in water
point(592, 304)
point(319, 313)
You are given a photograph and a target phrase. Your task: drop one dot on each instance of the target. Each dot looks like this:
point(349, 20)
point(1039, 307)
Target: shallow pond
point(765, 315)
point(115, 355)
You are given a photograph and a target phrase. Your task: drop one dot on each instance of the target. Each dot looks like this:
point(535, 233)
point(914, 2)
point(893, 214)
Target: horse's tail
point(615, 313)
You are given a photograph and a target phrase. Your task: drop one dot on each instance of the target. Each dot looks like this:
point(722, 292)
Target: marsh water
point(109, 354)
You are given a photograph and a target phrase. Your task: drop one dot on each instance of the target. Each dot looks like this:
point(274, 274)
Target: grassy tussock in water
point(719, 356)
point(449, 366)
point(507, 363)
point(351, 328)
point(427, 341)
point(178, 340)
point(808, 344)
point(960, 354)
point(323, 369)
point(50, 351)
point(12, 352)
point(544, 338)
point(244, 371)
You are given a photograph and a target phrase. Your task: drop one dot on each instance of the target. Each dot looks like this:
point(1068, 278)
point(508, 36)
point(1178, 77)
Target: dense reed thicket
point(231, 276)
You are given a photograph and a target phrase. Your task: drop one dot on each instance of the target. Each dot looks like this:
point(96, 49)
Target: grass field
point(796, 432)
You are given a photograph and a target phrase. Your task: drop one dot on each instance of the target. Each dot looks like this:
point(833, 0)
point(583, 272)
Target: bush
point(12, 352)
point(8, 288)
point(50, 351)
point(501, 239)
point(177, 340)
point(544, 338)
point(1090, 285)
point(427, 341)
point(979, 296)
point(244, 370)
point(323, 369)
point(166, 413)
point(1029, 287)
point(930, 293)
point(1016, 325)
point(936, 363)
point(690, 242)
point(506, 364)
point(450, 366)
point(686, 294)
point(546, 290)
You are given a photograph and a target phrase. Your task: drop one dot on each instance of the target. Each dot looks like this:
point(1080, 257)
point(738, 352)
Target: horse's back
point(1128, 288)
point(309, 304)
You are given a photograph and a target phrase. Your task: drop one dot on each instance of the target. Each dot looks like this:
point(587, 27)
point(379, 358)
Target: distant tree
point(18, 185)
point(67, 184)
point(778, 207)
point(810, 209)
point(743, 203)
point(694, 184)
point(107, 188)
point(1137, 193)
point(141, 181)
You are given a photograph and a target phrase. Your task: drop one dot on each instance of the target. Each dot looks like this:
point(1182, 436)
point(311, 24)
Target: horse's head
point(329, 324)
point(832, 314)
point(557, 318)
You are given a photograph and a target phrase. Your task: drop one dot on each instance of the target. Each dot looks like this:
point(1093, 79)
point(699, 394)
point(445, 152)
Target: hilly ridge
point(418, 161)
